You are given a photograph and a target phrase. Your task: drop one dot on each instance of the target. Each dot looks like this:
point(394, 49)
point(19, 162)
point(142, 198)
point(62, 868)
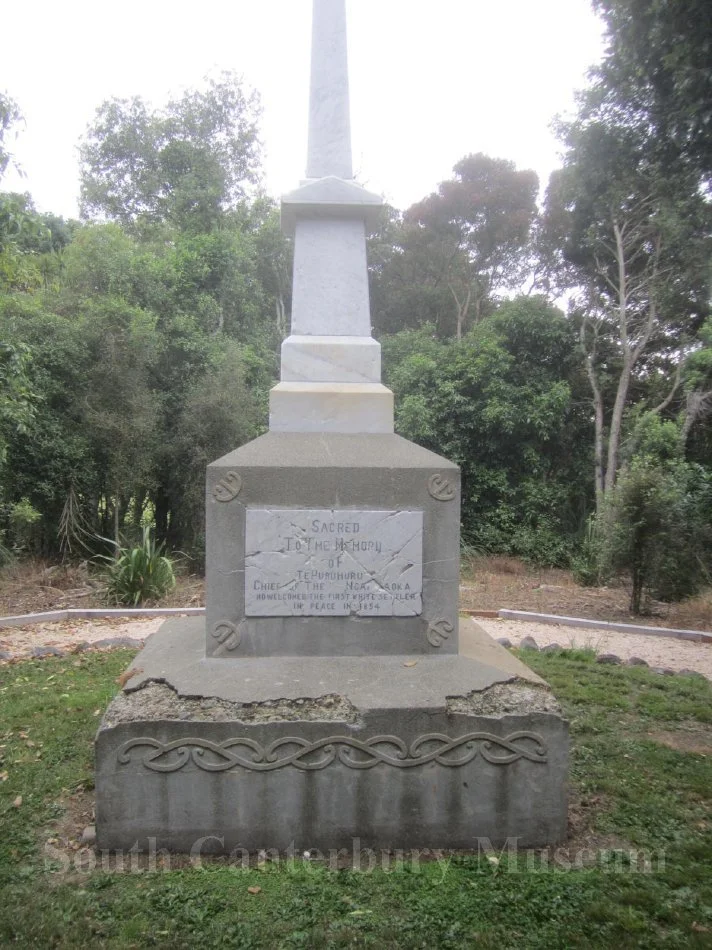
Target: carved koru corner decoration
point(353, 753)
point(228, 634)
point(228, 488)
point(440, 488)
point(438, 632)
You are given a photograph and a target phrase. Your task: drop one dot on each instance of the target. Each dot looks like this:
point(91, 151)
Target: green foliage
point(10, 116)
point(140, 574)
point(448, 257)
point(23, 518)
point(656, 74)
point(504, 403)
point(185, 163)
point(587, 563)
point(656, 526)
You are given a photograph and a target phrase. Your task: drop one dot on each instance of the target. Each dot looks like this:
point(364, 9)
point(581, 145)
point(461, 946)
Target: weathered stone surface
point(529, 643)
point(329, 119)
point(4, 656)
point(110, 643)
point(315, 562)
point(518, 697)
point(369, 760)
point(88, 838)
point(331, 407)
point(330, 290)
point(40, 653)
point(552, 648)
point(331, 359)
point(159, 701)
point(325, 471)
point(636, 661)
point(609, 658)
point(505, 642)
point(175, 655)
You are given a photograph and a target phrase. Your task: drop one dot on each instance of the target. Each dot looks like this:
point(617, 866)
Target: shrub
point(655, 527)
point(139, 574)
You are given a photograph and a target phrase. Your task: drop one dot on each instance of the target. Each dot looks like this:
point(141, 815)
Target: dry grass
point(488, 583)
point(493, 583)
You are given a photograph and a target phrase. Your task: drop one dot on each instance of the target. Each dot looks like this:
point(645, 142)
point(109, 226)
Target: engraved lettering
point(312, 561)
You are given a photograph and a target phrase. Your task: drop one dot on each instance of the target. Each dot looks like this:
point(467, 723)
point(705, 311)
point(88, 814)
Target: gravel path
point(664, 652)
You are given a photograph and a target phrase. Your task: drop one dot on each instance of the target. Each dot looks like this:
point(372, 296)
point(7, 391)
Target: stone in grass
point(552, 648)
point(4, 657)
point(697, 673)
point(39, 653)
point(635, 661)
point(504, 642)
point(529, 643)
point(89, 836)
point(663, 670)
point(115, 642)
point(609, 658)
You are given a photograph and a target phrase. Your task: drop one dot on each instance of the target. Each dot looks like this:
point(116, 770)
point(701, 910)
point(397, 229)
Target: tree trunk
point(614, 435)
point(117, 541)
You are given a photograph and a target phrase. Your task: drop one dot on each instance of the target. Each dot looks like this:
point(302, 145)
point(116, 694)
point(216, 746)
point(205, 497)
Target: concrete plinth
point(295, 752)
point(330, 471)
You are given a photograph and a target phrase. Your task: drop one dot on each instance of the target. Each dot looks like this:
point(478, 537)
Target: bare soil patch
point(37, 586)
point(494, 583)
point(697, 740)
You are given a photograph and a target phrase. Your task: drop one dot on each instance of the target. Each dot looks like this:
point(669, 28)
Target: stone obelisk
point(331, 694)
point(331, 365)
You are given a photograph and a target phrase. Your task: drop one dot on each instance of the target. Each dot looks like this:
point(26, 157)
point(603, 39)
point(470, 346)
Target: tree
point(657, 528)
point(631, 244)
point(186, 163)
point(10, 116)
point(505, 403)
point(462, 246)
point(656, 76)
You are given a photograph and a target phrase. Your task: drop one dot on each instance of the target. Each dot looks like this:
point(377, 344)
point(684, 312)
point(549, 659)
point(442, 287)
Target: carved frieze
point(242, 752)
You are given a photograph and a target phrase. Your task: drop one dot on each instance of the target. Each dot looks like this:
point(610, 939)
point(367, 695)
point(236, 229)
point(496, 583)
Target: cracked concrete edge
point(160, 701)
point(515, 698)
point(157, 700)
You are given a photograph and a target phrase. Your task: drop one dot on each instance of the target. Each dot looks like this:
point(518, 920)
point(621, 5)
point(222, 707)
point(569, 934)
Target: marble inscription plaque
point(315, 562)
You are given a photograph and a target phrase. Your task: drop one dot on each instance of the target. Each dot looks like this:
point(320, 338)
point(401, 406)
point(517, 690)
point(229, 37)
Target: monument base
point(392, 752)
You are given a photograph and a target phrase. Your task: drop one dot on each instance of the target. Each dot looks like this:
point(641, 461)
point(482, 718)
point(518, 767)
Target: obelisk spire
point(331, 365)
point(329, 151)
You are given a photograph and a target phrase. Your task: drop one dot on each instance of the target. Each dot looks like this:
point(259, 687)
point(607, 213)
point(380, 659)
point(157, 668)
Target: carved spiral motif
point(353, 753)
point(438, 632)
point(228, 488)
point(228, 634)
point(440, 488)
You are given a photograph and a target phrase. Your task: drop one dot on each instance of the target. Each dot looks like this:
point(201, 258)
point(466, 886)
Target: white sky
point(430, 81)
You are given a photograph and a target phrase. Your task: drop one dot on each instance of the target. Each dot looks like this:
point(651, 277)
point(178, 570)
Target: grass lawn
point(641, 780)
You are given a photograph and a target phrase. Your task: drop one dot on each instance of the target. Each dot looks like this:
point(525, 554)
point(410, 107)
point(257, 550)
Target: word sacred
point(309, 562)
